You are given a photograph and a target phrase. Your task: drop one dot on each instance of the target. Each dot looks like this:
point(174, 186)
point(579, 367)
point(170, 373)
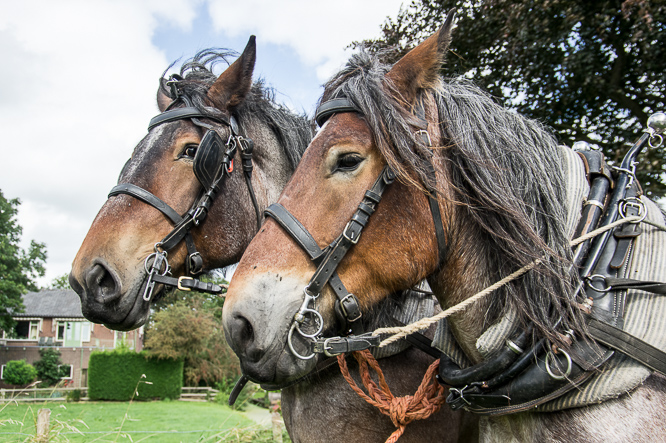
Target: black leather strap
point(180, 114)
point(146, 197)
point(341, 345)
point(628, 344)
point(188, 284)
point(327, 109)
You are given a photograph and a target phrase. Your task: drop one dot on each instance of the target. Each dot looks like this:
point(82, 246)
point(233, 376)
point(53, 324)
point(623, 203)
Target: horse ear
point(163, 100)
point(231, 87)
point(419, 68)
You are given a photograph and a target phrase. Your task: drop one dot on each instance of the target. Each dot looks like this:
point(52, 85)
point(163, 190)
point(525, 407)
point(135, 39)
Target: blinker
point(208, 161)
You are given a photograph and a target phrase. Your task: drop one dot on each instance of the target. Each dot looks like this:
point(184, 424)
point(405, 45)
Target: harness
point(347, 307)
point(212, 164)
point(517, 379)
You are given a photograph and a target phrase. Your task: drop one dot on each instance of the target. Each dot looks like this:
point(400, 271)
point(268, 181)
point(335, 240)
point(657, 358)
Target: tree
point(593, 71)
point(18, 268)
point(188, 326)
point(18, 372)
point(60, 282)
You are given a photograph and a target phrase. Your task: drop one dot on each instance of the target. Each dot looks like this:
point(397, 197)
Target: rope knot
point(427, 400)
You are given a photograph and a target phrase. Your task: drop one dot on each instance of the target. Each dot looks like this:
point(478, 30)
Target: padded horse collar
point(213, 162)
point(327, 260)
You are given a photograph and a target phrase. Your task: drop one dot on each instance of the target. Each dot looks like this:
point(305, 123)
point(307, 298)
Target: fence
point(61, 394)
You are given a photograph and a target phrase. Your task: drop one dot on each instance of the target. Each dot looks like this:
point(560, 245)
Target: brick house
point(53, 318)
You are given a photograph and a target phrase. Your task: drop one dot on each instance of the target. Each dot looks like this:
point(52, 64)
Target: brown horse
point(109, 274)
point(500, 182)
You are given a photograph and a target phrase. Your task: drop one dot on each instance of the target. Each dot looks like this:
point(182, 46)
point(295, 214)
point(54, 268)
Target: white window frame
point(2, 372)
point(31, 320)
point(71, 372)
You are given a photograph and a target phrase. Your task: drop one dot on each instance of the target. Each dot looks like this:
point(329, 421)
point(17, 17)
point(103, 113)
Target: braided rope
point(428, 398)
point(403, 331)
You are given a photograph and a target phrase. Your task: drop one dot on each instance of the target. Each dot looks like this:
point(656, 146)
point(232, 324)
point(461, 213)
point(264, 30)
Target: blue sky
point(79, 77)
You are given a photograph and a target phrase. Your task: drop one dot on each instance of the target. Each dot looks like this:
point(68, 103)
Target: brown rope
point(427, 400)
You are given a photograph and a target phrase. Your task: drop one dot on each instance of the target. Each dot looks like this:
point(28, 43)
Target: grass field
point(171, 421)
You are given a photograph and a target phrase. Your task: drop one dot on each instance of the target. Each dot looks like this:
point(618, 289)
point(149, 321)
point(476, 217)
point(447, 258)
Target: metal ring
point(653, 136)
point(291, 346)
point(550, 372)
point(588, 281)
point(166, 263)
point(317, 316)
point(633, 202)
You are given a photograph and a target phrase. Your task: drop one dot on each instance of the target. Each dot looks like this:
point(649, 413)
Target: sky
point(78, 82)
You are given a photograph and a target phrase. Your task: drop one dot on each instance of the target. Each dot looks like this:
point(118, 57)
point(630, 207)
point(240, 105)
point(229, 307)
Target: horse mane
point(293, 131)
point(506, 175)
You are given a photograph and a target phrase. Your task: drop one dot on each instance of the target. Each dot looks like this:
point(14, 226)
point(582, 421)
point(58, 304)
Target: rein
point(212, 164)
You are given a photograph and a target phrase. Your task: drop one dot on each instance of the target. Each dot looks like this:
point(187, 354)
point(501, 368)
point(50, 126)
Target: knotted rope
point(427, 400)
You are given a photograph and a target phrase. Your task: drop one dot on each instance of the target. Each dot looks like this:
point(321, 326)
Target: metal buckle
point(344, 310)
point(632, 202)
point(180, 280)
point(351, 240)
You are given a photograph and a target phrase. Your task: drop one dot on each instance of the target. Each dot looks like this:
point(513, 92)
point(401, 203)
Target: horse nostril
point(102, 284)
point(243, 336)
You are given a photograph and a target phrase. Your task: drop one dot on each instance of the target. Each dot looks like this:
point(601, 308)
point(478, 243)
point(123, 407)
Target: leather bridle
point(347, 306)
point(212, 164)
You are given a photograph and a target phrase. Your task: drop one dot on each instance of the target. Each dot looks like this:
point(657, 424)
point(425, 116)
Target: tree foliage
point(188, 326)
point(592, 70)
point(18, 268)
point(18, 372)
point(50, 369)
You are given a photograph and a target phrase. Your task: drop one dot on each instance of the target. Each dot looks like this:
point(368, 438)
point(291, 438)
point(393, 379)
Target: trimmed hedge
point(114, 375)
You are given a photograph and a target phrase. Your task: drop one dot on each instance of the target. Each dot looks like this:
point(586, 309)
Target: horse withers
point(393, 138)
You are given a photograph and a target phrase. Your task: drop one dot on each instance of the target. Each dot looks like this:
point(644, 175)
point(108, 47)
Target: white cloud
point(77, 89)
point(318, 31)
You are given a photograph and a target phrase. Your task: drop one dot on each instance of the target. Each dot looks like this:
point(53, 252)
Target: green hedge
point(114, 375)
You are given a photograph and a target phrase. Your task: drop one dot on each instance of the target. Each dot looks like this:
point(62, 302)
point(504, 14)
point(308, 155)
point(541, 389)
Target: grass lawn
point(166, 421)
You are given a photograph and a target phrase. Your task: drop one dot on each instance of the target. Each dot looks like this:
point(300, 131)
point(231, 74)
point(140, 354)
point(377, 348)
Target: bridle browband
point(212, 163)
point(347, 307)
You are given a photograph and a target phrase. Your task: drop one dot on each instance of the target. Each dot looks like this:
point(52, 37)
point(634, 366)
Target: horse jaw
point(257, 318)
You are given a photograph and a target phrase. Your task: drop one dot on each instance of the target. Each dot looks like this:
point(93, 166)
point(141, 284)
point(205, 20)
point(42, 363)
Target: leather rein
point(212, 164)
point(347, 306)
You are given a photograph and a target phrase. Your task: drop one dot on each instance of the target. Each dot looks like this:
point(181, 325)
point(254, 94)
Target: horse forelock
point(294, 131)
point(507, 183)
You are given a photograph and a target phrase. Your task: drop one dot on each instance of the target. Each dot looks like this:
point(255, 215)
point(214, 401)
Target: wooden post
point(43, 424)
point(276, 421)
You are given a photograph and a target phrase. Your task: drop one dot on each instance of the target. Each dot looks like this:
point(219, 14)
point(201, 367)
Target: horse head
point(345, 159)
point(186, 190)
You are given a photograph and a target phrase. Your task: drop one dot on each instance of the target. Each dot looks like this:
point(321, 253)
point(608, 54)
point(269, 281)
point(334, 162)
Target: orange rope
point(427, 400)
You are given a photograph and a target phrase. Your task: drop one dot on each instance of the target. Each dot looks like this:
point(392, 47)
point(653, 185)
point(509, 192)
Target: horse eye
point(348, 162)
point(189, 152)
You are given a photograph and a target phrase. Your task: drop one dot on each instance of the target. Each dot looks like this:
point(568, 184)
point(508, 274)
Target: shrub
point(49, 367)
point(74, 395)
point(117, 375)
point(18, 372)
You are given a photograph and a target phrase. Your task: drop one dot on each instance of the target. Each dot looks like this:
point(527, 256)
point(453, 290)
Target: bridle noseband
point(347, 306)
point(212, 164)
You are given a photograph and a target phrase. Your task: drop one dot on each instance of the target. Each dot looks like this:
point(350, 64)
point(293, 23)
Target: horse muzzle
point(105, 300)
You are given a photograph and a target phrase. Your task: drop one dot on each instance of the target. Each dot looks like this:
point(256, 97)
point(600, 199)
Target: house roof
point(52, 303)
